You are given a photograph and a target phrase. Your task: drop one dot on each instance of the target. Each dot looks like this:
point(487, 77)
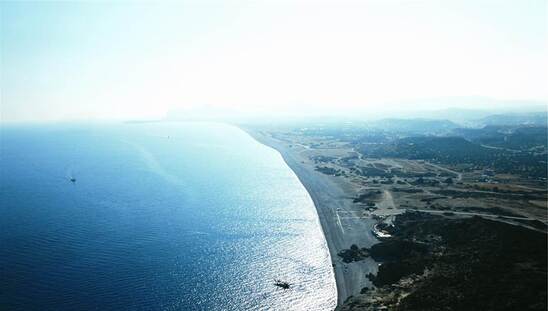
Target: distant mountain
point(535, 118)
point(473, 103)
point(415, 126)
point(459, 151)
point(457, 115)
point(438, 148)
point(509, 137)
point(464, 109)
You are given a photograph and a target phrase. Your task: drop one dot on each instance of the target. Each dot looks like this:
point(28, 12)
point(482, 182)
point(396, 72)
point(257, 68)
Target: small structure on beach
point(379, 230)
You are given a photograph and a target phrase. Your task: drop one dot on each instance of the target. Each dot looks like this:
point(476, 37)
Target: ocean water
point(162, 216)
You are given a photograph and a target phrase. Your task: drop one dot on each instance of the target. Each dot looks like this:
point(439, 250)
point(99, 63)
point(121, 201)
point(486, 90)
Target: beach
point(343, 223)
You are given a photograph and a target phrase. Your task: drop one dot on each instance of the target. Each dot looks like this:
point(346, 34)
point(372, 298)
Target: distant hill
point(464, 110)
point(535, 118)
point(509, 137)
point(457, 150)
point(442, 149)
point(415, 126)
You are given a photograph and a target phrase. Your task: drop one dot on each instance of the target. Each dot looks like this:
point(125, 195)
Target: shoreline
point(334, 207)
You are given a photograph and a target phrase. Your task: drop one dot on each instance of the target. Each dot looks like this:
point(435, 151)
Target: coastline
point(342, 224)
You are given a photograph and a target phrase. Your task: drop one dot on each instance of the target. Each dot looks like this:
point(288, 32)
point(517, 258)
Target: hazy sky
point(135, 60)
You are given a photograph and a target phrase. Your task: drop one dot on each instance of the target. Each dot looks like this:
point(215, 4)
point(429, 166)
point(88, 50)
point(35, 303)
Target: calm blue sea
point(162, 216)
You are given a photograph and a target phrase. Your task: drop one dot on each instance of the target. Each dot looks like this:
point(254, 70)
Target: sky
point(136, 60)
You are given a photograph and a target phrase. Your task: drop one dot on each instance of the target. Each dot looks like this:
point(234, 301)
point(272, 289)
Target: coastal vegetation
point(435, 263)
point(353, 254)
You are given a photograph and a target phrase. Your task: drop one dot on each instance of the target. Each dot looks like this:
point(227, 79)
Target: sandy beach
point(342, 222)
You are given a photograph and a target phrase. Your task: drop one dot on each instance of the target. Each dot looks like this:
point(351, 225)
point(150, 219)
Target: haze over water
point(162, 216)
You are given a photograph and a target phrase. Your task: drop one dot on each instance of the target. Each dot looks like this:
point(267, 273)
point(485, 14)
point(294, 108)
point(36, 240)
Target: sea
point(155, 216)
